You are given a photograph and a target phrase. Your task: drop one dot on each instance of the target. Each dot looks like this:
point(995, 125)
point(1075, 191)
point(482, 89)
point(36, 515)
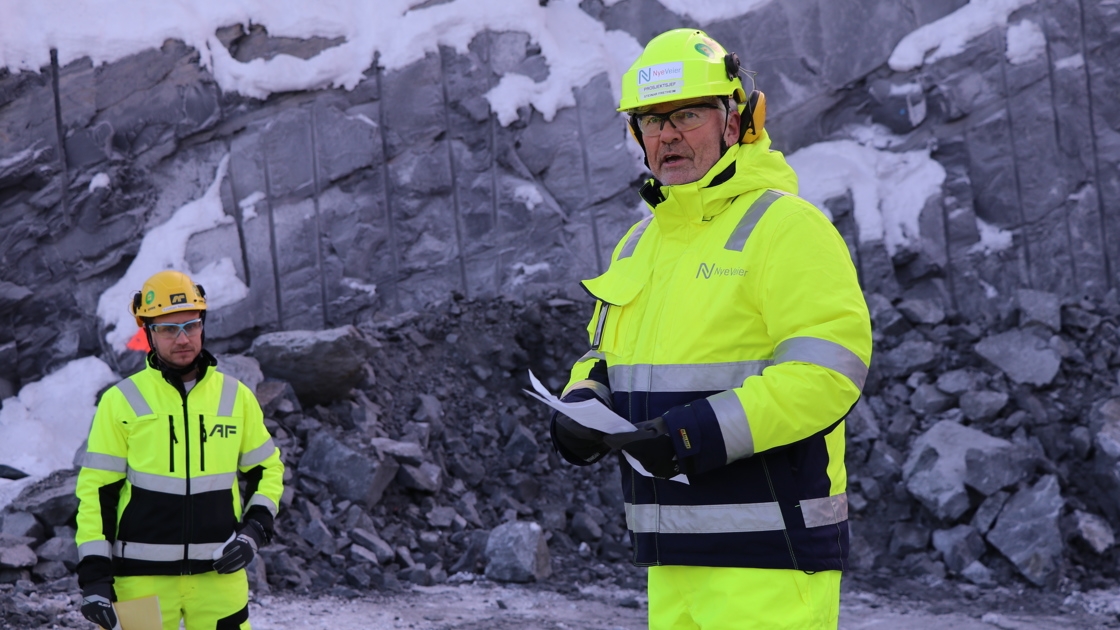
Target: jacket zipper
point(774, 495)
point(172, 441)
point(188, 517)
point(201, 443)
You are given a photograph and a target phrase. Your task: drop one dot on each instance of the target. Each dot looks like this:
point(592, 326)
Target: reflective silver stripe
point(601, 390)
point(733, 424)
point(132, 394)
point(101, 461)
point(704, 519)
point(176, 485)
point(260, 499)
point(825, 511)
point(827, 354)
point(257, 455)
point(603, 308)
point(165, 553)
point(95, 548)
point(632, 242)
point(695, 377)
point(742, 232)
point(229, 396)
point(592, 354)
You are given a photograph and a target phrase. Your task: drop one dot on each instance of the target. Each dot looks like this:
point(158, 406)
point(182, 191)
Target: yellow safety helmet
point(685, 63)
point(167, 292)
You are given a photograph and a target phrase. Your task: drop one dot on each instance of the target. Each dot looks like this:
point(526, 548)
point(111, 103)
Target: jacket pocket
point(613, 317)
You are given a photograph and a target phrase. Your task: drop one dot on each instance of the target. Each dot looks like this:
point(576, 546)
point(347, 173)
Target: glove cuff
point(264, 520)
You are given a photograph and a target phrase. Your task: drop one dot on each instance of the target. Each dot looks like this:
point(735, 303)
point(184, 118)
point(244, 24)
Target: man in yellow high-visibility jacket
point(160, 508)
point(731, 330)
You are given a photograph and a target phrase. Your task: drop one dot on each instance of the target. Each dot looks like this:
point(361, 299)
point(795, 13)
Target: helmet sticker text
point(660, 80)
point(178, 298)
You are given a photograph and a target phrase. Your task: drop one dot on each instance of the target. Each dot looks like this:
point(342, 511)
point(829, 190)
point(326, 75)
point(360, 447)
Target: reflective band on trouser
point(165, 553)
point(742, 232)
point(733, 425)
point(632, 242)
point(704, 519)
point(135, 399)
point(827, 354)
point(101, 461)
point(688, 377)
point(178, 485)
point(257, 455)
point(95, 548)
point(260, 499)
point(825, 511)
point(601, 390)
point(229, 396)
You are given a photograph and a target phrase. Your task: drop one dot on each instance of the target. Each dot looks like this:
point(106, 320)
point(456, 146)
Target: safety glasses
point(171, 331)
point(684, 118)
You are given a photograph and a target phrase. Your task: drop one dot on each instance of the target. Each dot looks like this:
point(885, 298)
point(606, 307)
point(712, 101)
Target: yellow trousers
point(717, 598)
point(207, 601)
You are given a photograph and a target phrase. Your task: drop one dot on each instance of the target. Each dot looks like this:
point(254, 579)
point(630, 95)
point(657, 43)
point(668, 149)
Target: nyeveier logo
point(661, 72)
point(708, 271)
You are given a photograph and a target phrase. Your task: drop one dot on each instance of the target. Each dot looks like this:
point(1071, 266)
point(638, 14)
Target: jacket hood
point(742, 169)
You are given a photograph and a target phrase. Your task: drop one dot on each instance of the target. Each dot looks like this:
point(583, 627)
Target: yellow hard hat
point(167, 292)
point(685, 63)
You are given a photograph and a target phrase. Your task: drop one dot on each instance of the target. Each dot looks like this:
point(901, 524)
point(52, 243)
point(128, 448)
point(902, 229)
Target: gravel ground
point(489, 606)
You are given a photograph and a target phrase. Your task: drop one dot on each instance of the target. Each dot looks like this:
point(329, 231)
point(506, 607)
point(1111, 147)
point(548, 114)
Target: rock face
point(321, 366)
point(516, 552)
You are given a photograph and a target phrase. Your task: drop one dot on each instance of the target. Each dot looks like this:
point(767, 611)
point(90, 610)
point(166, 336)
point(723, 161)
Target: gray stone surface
point(960, 546)
point(910, 356)
point(1092, 529)
point(1023, 357)
point(982, 405)
point(517, 552)
point(320, 365)
point(1039, 307)
point(350, 474)
point(937, 468)
point(1027, 532)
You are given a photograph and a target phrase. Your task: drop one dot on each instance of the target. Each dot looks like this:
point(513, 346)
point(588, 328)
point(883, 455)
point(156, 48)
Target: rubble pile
point(982, 454)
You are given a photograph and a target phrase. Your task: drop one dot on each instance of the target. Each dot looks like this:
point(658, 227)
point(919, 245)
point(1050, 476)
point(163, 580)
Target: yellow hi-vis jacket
point(158, 489)
point(734, 312)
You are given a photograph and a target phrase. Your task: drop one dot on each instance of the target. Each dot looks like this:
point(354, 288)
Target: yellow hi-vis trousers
point(719, 598)
point(206, 601)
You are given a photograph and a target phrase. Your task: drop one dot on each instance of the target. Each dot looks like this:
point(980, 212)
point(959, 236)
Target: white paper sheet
point(593, 415)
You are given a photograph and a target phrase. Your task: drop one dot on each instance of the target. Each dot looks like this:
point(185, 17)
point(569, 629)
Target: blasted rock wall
point(351, 206)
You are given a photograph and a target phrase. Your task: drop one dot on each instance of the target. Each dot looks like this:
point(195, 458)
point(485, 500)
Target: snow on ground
point(889, 189)
point(948, 36)
point(165, 247)
point(42, 427)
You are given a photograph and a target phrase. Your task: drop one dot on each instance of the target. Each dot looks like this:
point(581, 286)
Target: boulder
point(243, 368)
point(1091, 529)
point(1023, 357)
point(1039, 307)
point(983, 405)
point(960, 546)
point(1027, 531)
point(349, 474)
point(937, 469)
point(909, 357)
point(322, 366)
point(516, 552)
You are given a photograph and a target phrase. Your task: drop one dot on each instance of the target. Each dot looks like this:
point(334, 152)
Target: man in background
point(161, 512)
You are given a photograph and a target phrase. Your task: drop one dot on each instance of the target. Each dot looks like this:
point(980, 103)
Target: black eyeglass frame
point(667, 117)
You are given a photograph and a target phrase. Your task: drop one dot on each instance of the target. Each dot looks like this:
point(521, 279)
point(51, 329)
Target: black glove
point(651, 446)
point(577, 443)
point(97, 603)
point(239, 552)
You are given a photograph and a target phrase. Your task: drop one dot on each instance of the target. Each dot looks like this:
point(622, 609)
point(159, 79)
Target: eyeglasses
point(171, 331)
point(684, 118)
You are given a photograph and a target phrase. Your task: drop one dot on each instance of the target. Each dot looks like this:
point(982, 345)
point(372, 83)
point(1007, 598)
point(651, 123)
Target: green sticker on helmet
point(705, 50)
point(151, 295)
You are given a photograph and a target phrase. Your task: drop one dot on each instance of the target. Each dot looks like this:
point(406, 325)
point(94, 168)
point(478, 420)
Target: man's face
point(682, 157)
point(181, 350)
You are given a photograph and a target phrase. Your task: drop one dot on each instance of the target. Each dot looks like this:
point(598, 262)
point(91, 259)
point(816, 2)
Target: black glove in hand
point(239, 552)
point(577, 441)
point(97, 603)
point(652, 447)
